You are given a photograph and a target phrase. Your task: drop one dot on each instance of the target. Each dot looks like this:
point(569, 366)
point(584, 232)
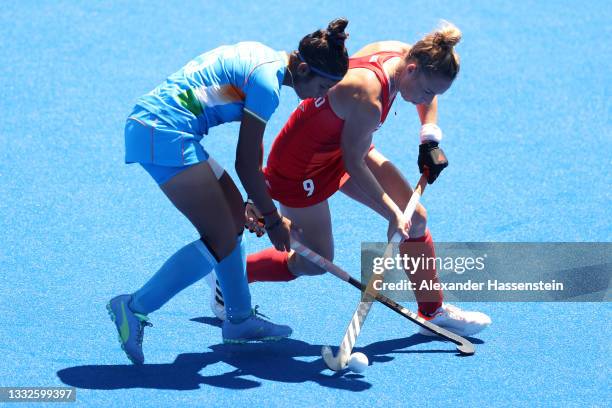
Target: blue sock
point(188, 265)
point(231, 273)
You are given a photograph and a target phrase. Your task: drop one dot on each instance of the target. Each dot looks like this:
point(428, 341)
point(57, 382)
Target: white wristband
point(430, 132)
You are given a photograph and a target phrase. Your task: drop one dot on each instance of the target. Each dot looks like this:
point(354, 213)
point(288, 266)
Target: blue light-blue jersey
point(217, 86)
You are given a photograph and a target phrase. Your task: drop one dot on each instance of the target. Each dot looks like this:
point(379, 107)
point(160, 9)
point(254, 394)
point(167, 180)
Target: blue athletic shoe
point(130, 326)
point(255, 328)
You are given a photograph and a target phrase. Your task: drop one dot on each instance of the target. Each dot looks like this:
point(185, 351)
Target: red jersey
point(305, 164)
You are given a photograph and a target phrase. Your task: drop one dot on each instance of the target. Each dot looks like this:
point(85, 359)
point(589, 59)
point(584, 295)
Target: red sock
point(429, 300)
point(269, 265)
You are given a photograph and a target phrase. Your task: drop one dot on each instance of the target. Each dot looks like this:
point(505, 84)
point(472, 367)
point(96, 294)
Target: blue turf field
point(528, 137)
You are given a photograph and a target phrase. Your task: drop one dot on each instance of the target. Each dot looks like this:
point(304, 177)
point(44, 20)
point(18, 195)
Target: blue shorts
point(161, 174)
point(151, 140)
point(160, 149)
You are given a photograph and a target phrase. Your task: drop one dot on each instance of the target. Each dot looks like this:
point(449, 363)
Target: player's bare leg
point(200, 196)
point(314, 229)
point(394, 184)
point(212, 203)
point(431, 307)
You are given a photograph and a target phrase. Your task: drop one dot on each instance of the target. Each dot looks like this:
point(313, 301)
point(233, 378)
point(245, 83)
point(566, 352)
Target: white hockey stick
point(340, 361)
point(464, 346)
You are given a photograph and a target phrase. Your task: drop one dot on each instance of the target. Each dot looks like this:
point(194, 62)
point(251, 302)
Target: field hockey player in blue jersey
point(163, 133)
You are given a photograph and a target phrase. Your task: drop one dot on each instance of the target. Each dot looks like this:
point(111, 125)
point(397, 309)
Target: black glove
point(432, 157)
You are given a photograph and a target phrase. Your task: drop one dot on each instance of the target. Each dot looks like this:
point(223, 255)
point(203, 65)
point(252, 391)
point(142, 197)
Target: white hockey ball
point(358, 362)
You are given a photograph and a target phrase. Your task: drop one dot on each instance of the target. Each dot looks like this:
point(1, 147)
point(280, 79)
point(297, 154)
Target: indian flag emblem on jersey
point(194, 100)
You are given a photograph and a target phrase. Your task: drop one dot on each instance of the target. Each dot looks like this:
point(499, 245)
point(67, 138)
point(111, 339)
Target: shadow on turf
point(281, 362)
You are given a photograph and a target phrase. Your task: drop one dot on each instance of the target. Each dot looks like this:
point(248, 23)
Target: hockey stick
point(340, 361)
point(463, 346)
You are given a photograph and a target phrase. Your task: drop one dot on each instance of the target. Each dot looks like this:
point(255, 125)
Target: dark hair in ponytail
point(335, 32)
point(324, 50)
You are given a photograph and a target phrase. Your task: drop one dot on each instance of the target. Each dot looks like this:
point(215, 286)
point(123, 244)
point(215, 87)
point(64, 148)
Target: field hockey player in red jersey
point(326, 146)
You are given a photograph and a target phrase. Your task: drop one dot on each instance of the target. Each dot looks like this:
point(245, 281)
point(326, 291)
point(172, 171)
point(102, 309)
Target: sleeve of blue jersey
point(262, 93)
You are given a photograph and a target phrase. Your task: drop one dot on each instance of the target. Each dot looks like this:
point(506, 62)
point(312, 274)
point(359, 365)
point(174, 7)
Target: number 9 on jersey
point(308, 187)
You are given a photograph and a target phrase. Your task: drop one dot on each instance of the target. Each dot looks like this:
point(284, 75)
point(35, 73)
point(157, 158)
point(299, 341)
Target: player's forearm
point(253, 181)
point(428, 113)
point(249, 154)
point(366, 181)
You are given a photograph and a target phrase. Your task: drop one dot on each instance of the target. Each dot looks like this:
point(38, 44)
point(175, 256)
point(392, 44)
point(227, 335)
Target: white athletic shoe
point(456, 320)
point(216, 297)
